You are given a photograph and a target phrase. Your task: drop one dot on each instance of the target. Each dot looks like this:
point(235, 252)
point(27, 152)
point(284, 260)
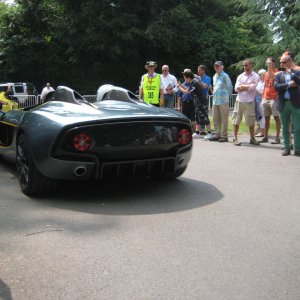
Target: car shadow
point(5, 292)
point(8, 164)
point(133, 196)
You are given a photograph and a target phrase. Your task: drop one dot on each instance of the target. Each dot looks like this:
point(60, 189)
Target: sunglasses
point(284, 61)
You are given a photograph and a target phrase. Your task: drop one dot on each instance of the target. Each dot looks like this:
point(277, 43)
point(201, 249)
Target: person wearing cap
point(199, 99)
point(259, 112)
point(287, 83)
point(222, 90)
point(151, 87)
point(169, 82)
point(245, 86)
point(269, 101)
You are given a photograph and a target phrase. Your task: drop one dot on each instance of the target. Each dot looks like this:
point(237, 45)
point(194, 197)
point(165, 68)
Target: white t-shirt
point(45, 92)
point(169, 82)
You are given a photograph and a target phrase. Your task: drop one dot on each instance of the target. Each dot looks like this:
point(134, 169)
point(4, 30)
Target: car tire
point(32, 182)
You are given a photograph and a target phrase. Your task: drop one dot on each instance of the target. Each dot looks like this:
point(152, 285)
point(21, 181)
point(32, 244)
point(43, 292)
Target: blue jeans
point(169, 100)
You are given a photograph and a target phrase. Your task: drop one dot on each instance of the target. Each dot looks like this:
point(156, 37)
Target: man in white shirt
point(246, 88)
point(169, 82)
point(46, 90)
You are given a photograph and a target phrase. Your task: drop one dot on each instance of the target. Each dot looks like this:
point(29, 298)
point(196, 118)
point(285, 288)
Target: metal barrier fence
point(231, 101)
point(32, 100)
point(28, 100)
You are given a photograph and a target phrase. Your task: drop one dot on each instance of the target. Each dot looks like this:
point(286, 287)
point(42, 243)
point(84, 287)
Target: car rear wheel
point(32, 182)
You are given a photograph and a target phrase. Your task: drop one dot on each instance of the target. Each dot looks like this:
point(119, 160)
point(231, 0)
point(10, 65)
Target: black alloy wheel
point(32, 182)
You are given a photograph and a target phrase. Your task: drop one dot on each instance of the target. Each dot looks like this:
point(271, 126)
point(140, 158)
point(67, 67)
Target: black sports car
point(68, 138)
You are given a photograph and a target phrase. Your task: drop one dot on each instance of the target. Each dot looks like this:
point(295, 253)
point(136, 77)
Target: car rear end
point(121, 148)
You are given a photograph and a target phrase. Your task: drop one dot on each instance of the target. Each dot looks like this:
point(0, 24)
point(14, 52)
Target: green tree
point(281, 21)
point(84, 44)
point(26, 41)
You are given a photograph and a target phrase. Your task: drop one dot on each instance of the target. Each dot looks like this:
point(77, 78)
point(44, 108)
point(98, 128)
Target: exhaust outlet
point(80, 171)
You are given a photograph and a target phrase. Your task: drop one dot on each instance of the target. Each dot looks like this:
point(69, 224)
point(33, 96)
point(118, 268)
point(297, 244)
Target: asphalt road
point(228, 229)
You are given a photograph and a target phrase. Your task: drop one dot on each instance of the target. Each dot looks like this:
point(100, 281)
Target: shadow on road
point(128, 197)
point(132, 197)
point(5, 293)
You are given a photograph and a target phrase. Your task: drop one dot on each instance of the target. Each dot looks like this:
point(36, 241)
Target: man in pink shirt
point(246, 88)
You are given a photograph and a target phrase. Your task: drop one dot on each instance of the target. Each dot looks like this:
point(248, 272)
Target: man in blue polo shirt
point(205, 79)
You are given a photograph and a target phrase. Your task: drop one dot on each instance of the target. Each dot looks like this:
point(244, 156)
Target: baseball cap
point(219, 63)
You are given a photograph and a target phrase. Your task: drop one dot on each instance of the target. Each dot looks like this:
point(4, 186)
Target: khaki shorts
point(270, 108)
point(242, 108)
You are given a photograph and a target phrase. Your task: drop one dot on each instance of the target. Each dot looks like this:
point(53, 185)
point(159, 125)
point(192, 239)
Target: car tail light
point(82, 142)
point(184, 136)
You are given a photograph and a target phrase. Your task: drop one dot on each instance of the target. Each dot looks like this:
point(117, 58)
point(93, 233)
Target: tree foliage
point(281, 21)
point(84, 44)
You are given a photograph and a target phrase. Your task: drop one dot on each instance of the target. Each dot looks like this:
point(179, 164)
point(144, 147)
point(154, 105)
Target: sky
point(8, 1)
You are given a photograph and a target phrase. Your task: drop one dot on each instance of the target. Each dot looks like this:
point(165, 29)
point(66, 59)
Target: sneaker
point(277, 141)
point(253, 141)
point(286, 152)
point(236, 142)
point(208, 137)
point(264, 140)
point(223, 140)
point(196, 135)
point(202, 133)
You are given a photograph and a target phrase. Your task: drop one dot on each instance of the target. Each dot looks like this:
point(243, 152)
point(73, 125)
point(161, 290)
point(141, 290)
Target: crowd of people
point(270, 92)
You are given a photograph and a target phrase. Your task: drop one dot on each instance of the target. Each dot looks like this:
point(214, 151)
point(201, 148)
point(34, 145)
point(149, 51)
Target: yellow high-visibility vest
point(151, 89)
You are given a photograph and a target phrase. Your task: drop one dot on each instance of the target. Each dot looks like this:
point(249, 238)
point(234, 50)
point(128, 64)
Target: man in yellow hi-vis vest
point(151, 87)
